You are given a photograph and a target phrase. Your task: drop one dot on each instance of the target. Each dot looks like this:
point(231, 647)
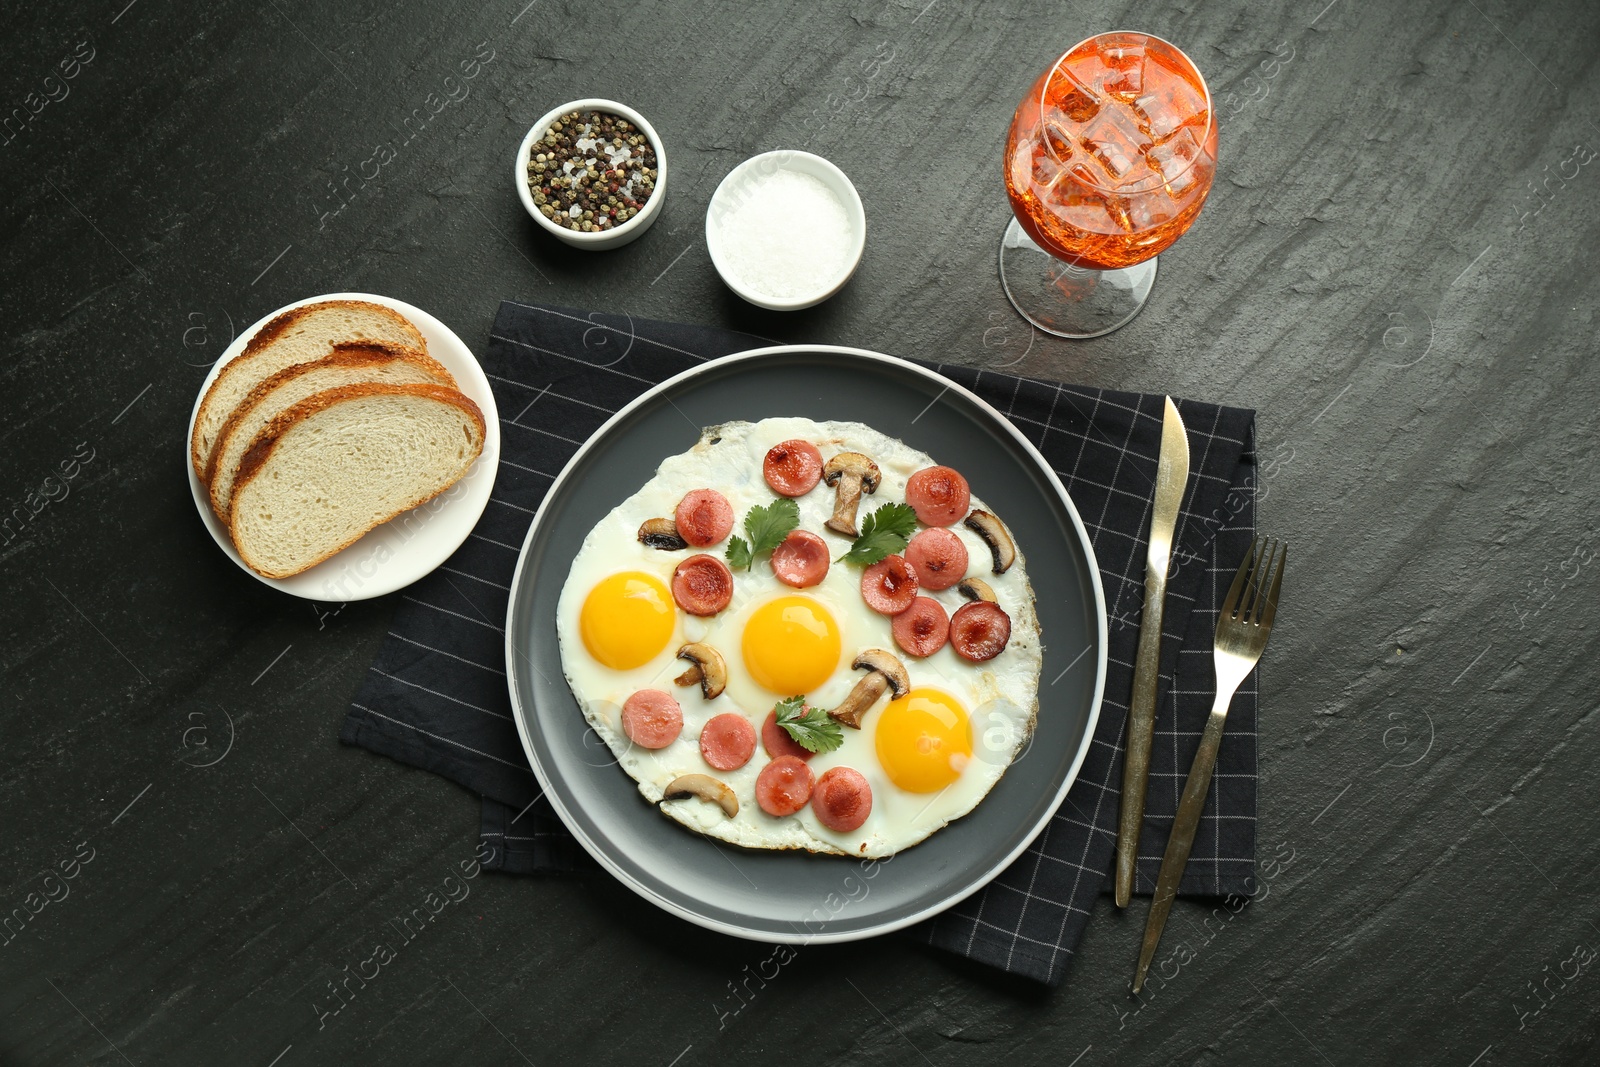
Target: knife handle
point(1181, 840)
point(1141, 729)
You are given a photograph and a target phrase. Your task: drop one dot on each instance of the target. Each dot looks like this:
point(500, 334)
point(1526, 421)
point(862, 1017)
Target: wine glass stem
point(1070, 301)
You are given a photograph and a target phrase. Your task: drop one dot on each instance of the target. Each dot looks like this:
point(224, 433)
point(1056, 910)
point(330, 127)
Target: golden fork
point(1242, 630)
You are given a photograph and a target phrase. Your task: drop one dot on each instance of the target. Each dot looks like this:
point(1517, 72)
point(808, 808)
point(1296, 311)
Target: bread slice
point(297, 336)
point(343, 461)
point(351, 363)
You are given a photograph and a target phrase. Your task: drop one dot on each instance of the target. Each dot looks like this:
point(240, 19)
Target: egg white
point(999, 696)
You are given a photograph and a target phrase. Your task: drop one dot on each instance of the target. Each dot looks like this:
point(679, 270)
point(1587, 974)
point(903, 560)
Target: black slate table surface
point(1397, 267)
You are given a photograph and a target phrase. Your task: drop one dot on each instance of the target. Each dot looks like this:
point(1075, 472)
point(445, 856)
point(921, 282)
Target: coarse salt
point(785, 235)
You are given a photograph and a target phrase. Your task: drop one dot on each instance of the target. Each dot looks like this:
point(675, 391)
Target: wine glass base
point(1070, 301)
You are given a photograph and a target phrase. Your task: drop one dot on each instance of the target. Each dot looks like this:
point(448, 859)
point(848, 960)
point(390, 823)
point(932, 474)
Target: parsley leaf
point(767, 527)
point(810, 728)
point(883, 533)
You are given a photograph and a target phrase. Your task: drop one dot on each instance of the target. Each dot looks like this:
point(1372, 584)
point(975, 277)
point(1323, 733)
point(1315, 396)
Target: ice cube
point(1087, 212)
point(1140, 178)
point(1157, 116)
point(1114, 138)
point(1184, 101)
point(1172, 158)
point(1147, 212)
point(1175, 161)
point(1124, 77)
point(1071, 95)
point(1045, 169)
point(1085, 175)
point(1057, 138)
point(1117, 208)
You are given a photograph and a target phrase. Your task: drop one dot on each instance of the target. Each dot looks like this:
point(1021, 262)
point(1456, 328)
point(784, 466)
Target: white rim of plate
point(944, 903)
point(411, 563)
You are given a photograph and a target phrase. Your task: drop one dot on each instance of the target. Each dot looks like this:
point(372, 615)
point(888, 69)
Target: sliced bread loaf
point(344, 461)
point(350, 364)
point(297, 336)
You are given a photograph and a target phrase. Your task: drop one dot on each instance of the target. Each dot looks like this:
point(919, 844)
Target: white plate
point(409, 546)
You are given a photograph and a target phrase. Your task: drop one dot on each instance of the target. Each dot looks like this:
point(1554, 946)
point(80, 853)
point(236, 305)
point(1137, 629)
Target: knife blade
point(1172, 474)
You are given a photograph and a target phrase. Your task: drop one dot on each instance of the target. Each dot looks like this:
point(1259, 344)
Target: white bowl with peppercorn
point(592, 173)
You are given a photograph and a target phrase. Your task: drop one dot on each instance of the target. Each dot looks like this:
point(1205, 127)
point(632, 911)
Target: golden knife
point(1172, 474)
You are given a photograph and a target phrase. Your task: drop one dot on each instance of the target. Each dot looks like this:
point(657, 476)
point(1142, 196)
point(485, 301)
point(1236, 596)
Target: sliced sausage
point(938, 557)
point(728, 741)
point(938, 495)
point(652, 719)
point(704, 517)
point(783, 786)
point(842, 799)
point(702, 585)
point(888, 586)
point(923, 628)
point(793, 467)
point(776, 740)
point(980, 630)
point(801, 560)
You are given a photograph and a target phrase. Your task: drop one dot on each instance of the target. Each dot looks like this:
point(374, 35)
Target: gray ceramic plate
point(787, 896)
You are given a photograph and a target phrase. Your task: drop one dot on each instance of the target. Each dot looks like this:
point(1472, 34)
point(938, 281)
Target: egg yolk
point(627, 620)
point(924, 740)
point(791, 645)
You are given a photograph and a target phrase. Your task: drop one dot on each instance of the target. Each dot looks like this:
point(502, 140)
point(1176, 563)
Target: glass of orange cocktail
point(1109, 159)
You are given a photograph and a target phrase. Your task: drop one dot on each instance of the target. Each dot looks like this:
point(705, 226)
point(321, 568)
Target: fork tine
point(1258, 579)
point(1270, 612)
point(1230, 603)
point(1250, 613)
point(1253, 579)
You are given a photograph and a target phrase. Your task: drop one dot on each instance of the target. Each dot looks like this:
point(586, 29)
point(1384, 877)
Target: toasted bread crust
point(261, 340)
point(345, 354)
point(279, 323)
point(267, 440)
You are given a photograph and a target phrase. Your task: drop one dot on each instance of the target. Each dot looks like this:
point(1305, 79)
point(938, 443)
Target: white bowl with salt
point(786, 230)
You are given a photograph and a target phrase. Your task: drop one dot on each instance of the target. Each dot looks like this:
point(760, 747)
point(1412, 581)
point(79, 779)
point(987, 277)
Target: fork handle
point(1181, 840)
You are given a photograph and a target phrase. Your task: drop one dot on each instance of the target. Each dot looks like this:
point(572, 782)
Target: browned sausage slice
point(938, 495)
point(842, 799)
point(979, 630)
point(783, 786)
point(889, 586)
point(801, 560)
point(702, 585)
point(776, 740)
point(704, 517)
point(923, 628)
point(793, 467)
point(728, 741)
point(652, 719)
point(938, 557)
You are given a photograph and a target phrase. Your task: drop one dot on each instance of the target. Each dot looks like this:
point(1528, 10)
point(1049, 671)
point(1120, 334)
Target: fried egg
point(929, 755)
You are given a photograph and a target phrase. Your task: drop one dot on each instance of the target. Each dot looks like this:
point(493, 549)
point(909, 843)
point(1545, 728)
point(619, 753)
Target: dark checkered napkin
point(436, 696)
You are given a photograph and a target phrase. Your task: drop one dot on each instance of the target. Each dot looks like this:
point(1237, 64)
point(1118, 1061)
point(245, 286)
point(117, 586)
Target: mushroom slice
point(706, 668)
point(661, 533)
point(995, 535)
point(885, 673)
point(976, 589)
point(706, 788)
point(852, 474)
